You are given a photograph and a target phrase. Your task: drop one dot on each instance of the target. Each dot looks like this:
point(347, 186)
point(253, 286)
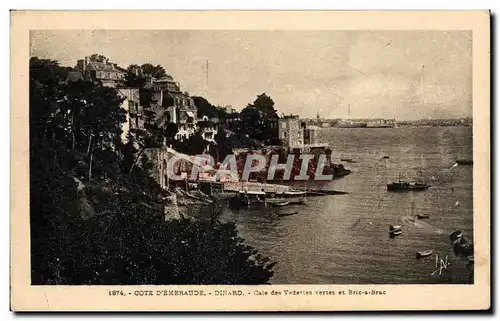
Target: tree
point(193, 145)
point(170, 132)
point(204, 107)
point(134, 77)
point(153, 71)
point(78, 114)
point(259, 119)
point(46, 90)
point(98, 58)
point(265, 104)
point(101, 121)
point(222, 146)
point(129, 153)
point(251, 123)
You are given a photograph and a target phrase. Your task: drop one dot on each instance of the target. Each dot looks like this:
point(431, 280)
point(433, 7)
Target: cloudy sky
point(377, 73)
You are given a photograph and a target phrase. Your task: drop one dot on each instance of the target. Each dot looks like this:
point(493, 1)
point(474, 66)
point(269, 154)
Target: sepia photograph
point(237, 157)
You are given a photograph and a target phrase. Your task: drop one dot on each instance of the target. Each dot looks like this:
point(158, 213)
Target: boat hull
point(393, 234)
point(394, 228)
point(423, 254)
point(279, 204)
point(464, 162)
point(403, 188)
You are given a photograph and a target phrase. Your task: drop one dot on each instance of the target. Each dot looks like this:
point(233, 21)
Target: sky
point(403, 75)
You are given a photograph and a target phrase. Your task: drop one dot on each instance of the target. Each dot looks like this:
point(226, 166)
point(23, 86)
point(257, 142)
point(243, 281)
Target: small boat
point(385, 157)
point(394, 228)
point(280, 204)
point(251, 197)
point(287, 214)
point(402, 185)
point(424, 253)
point(456, 236)
point(407, 186)
point(395, 233)
point(464, 162)
point(347, 160)
point(420, 216)
point(294, 197)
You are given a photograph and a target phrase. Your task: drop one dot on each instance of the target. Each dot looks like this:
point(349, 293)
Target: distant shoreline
point(398, 126)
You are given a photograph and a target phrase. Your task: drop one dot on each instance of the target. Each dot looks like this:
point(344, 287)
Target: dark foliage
point(204, 107)
point(260, 121)
point(97, 219)
point(222, 146)
point(193, 145)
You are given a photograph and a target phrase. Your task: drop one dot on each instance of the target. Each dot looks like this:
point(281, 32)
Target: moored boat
point(279, 204)
point(424, 253)
point(420, 216)
point(407, 186)
point(464, 162)
point(402, 185)
point(456, 236)
point(294, 197)
point(395, 233)
point(252, 197)
point(394, 228)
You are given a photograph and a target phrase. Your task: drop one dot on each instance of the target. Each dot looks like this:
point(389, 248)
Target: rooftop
point(74, 76)
point(166, 78)
point(105, 66)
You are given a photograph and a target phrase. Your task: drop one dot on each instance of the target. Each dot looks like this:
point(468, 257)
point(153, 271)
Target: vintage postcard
point(250, 160)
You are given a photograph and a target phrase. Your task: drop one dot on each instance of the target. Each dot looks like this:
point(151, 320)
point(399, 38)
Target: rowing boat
point(424, 253)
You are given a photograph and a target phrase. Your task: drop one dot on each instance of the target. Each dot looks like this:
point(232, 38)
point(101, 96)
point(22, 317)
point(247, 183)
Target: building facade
point(208, 129)
point(135, 112)
point(107, 73)
point(177, 106)
point(291, 131)
point(311, 135)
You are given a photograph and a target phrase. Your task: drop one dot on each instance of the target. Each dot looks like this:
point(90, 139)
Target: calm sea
point(343, 239)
